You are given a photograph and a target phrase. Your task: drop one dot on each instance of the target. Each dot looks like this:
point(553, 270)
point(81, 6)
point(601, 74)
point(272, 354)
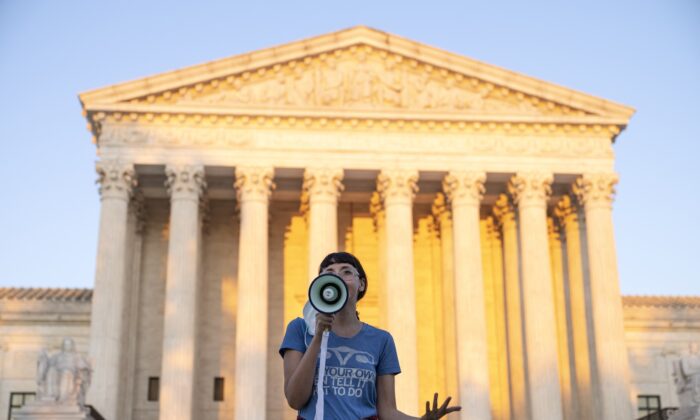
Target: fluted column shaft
point(253, 186)
point(530, 192)
point(568, 218)
point(443, 217)
point(505, 215)
point(560, 306)
point(117, 181)
point(595, 192)
point(376, 209)
point(322, 187)
point(397, 189)
point(185, 185)
point(465, 190)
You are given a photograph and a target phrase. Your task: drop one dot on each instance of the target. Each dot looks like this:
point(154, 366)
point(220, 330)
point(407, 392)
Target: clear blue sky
point(645, 54)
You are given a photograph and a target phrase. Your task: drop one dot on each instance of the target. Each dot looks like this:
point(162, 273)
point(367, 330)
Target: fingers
point(445, 404)
point(324, 322)
point(435, 401)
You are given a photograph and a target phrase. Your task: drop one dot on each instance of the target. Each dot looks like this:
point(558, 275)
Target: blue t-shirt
point(352, 367)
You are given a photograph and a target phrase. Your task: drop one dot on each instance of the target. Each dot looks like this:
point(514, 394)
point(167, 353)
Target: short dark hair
point(345, 258)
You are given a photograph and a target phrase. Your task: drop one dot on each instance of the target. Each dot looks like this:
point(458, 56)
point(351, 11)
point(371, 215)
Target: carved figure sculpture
point(64, 377)
point(686, 376)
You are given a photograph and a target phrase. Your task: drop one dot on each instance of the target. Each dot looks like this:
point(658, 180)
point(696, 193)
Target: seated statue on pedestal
point(62, 381)
point(63, 377)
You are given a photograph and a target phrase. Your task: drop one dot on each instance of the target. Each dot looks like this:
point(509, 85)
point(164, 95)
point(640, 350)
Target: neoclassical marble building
point(478, 199)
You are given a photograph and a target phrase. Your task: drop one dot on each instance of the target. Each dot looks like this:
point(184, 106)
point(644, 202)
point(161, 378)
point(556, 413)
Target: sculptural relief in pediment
point(361, 78)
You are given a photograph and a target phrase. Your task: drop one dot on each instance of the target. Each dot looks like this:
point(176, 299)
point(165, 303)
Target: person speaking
point(353, 364)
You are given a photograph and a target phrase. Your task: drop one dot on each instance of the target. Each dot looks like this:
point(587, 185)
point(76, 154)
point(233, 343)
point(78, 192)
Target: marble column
point(137, 225)
point(560, 306)
point(504, 213)
point(443, 218)
point(397, 189)
point(530, 192)
point(321, 190)
point(595, 193)
point(376, 209)
point(568, 217)
point(185, 185)
point(107, 330)
point(465, 191)
point(253, 187)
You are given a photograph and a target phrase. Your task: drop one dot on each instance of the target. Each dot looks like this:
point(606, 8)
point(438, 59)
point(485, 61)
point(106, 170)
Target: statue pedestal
point(39, 410)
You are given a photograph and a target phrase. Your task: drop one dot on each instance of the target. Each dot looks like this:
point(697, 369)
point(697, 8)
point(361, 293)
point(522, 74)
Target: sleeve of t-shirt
point(388, 359)
point(294, 337)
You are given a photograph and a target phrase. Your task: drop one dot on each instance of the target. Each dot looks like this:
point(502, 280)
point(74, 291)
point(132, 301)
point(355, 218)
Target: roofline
point(345, 38)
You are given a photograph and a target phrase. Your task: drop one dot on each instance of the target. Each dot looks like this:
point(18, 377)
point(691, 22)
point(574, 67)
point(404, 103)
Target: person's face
point(349, 275)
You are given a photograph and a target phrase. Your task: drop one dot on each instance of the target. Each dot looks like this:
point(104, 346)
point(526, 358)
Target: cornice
point(146, 111)
point(539, 126)
point(690, 302)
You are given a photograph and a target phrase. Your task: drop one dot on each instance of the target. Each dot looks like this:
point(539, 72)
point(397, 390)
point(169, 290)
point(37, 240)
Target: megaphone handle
point(320, 393)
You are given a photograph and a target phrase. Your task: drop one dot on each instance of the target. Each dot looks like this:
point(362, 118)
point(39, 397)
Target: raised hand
point(438, 412)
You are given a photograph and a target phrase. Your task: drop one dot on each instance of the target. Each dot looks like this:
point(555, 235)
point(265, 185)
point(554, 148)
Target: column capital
point(565, 210)
point(440, 209)
point(185, 182)
point(254, 183)
point(320, 185)
point(503, 210)
point(139, 210)
point(464, 187)
point(442, 216)
point(323, 183)
point(596, 189)
point(531, 188)
point(553, 229)
point(376, 209)
point(117, 179)
point(397, 184)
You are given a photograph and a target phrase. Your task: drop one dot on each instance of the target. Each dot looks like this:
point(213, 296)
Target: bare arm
point(386, 399)
point(299, 373)
point(299, 368)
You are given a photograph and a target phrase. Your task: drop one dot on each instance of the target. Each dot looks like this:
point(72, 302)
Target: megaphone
point(328, 293)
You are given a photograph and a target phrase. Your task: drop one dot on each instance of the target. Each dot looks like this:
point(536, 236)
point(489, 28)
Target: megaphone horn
point(328, 293)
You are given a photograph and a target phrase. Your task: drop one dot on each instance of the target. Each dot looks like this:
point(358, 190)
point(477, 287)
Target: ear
point(362, 285)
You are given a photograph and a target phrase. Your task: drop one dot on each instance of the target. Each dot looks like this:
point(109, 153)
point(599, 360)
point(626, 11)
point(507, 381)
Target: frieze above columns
point(337, 133)
point(117, 179)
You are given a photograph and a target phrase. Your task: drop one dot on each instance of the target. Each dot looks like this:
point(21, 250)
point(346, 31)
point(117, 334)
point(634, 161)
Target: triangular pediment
point(357, 70)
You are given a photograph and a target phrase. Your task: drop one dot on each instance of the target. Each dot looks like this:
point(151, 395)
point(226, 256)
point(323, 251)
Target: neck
point(348, 316)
